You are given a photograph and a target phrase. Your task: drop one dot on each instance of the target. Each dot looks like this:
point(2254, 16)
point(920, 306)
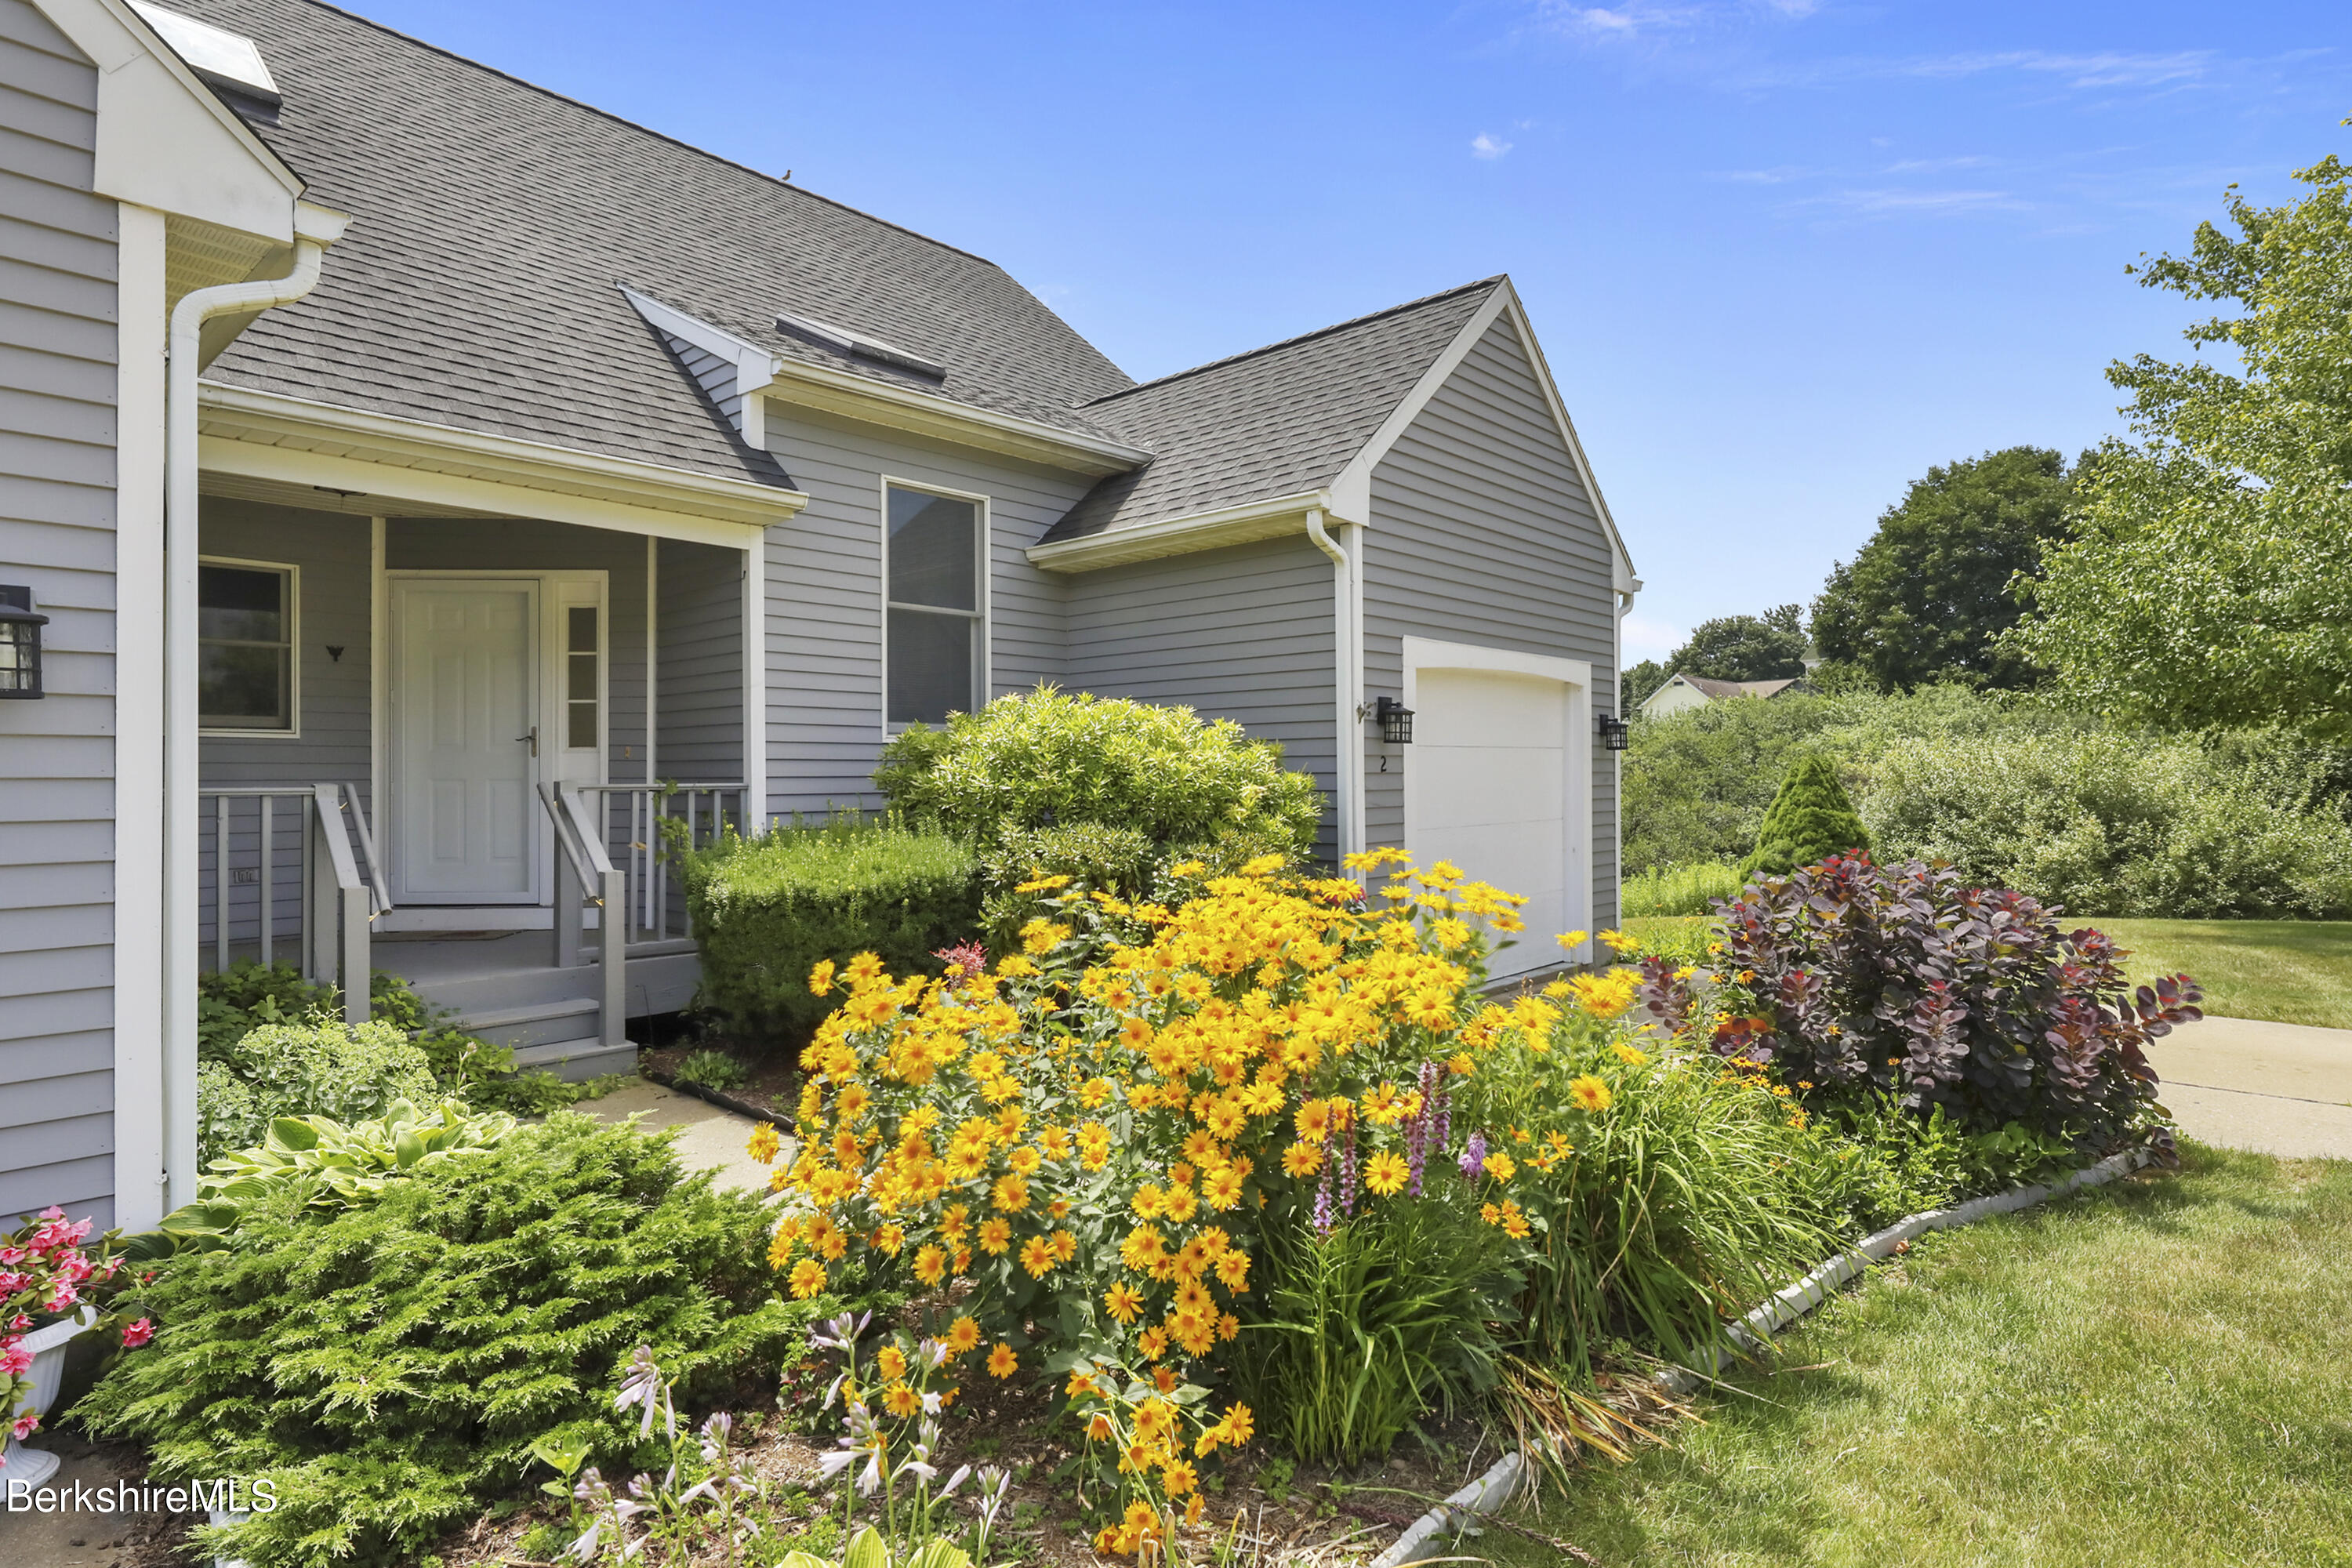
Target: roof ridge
point(648, 130)
point(1301, 337)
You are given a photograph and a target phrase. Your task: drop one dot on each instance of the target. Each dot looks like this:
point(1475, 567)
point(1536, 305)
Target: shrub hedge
point(768, 910)
point(387, 1365)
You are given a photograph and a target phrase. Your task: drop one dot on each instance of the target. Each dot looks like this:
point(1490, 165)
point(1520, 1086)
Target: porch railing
point(585, 874)
point(331, 901)
point(632, 816)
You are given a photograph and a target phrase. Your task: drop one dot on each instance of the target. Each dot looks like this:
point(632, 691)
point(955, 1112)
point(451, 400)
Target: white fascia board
point(1243, 524)
point(879, 403)
point(1352, 491)
point(1622, 577)
point(266, 435)
point(165, 140)
point(755, 367)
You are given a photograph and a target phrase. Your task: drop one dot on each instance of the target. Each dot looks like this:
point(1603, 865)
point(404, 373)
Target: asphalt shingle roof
point(493, 222)
point(1273, 422)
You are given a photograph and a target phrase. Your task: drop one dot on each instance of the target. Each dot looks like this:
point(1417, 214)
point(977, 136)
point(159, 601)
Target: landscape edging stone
point(1503, 1479)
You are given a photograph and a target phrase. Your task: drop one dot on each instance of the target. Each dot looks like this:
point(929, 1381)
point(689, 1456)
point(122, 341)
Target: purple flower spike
point(1474, 1157)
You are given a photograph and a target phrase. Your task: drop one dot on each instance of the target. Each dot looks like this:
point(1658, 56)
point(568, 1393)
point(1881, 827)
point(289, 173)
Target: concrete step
point(576, 1061)
point(536, 1023)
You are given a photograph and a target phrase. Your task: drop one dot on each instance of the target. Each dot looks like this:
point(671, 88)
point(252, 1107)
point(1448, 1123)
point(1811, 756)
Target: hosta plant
point(1902, 979)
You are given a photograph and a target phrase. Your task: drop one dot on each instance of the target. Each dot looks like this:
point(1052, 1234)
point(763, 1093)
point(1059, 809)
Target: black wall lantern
point(1615, 733)
point(20, 642)
point(1395, 721)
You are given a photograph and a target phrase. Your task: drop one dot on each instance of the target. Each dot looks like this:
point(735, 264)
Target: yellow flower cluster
point(1101, 1116)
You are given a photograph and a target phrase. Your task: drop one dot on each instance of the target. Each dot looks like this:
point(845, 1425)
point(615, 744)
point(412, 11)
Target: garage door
point(1486, 787)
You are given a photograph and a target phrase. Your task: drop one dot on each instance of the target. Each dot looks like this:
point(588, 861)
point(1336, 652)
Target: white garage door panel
point(1487, 788)
point(1493, 783)
point(1465, 707)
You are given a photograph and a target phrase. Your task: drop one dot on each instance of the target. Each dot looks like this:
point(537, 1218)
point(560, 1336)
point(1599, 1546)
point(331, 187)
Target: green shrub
point(2117, 825)
point(1677, 889)
point(1119, 861)
point(1046, 759)
point(1810, 820)
point(766, 910)
point(232, 1001)
point(1678, 939)
point(317, 1066)
point(387, 1366)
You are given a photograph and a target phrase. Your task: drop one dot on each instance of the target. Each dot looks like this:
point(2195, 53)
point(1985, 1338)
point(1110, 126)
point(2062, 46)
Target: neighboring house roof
point(1275, 421)
point(1712, 689)
point(494, 222)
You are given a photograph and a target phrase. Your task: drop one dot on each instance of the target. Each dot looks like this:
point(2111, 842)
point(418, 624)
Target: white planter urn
point(34, 1466)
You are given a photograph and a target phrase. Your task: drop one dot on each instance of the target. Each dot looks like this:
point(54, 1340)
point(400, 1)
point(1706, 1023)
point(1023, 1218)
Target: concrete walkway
point(2280, 1088)
point(711, 1138)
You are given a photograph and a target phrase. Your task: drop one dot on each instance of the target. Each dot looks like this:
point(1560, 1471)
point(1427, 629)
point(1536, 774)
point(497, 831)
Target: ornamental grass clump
point(1849, 979)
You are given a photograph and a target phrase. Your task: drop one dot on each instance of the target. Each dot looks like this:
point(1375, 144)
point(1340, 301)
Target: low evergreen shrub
point(768, 910)
point(387, 1366)
point(1810, 820)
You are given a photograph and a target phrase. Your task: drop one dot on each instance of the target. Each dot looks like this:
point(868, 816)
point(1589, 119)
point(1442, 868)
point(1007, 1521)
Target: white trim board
point(1243, 524)
point(263, 435)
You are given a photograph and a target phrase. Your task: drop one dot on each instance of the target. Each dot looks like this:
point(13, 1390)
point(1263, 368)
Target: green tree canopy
point(1810, 820)
point(1926, 599)
point(1770, 646)
point(2208, 579)
point(1638, 681)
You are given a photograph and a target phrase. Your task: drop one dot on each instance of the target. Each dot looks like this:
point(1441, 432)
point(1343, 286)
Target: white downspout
point(315, 228)
point(1617, 759)
point(1348, 679)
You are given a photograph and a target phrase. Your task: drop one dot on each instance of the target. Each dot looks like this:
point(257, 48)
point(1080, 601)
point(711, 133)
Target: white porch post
point(755, 684)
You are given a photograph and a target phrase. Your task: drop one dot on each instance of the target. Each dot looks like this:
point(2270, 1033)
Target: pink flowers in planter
point(47, 1272)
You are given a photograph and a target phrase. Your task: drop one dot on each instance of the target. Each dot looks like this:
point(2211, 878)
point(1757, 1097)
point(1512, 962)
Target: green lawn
point(2292, 972)
point(2150, 1373)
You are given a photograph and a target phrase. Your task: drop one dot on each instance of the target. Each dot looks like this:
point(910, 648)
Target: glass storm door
point(465, 741)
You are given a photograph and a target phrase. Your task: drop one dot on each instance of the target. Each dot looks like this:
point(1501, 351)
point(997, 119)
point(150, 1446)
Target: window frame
point(983, 660)
point(292, 573)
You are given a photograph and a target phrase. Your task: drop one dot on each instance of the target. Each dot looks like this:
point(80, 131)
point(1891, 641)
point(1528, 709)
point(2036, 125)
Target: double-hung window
point(245, 646)
point(933, 562)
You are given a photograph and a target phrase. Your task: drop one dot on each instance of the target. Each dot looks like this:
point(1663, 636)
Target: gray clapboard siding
point(825, 595)
point(699, 684)
point(58, 355)
point(1481, 533)
point(1242, 634)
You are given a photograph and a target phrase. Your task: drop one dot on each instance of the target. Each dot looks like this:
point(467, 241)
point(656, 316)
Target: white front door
point(465, 741)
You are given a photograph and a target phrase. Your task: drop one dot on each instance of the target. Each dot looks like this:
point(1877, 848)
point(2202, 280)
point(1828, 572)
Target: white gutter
point(315, 228)
point(1347, 686)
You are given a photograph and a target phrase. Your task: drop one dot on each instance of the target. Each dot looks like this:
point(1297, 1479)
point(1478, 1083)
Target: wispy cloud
point(1652, 18)
point(1484, 146)
point(1882, 202)
point(1781, 174)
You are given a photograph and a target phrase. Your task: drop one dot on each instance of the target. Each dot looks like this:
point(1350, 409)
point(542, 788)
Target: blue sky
point(1783, 255)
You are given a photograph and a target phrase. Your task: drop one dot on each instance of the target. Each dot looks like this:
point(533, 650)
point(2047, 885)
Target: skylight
point(842, 340)
point(222, 57)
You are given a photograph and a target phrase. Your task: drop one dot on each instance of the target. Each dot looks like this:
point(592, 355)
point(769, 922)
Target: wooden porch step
point(534, 1023)
point(576, 1061)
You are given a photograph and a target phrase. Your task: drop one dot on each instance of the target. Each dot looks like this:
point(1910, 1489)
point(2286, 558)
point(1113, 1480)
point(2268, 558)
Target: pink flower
point(15, 1361)
point(138, 1334)
point(25, 1427)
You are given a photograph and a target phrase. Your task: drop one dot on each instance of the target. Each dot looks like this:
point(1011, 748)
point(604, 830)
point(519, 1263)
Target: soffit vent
point(841, 340)
point(226, 60)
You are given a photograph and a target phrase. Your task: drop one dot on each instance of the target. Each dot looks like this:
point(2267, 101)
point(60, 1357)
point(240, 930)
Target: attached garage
point(1496, 781)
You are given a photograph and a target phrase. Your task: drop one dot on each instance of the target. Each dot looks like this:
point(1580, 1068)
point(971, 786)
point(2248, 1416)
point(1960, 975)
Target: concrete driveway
point(2281, 1088)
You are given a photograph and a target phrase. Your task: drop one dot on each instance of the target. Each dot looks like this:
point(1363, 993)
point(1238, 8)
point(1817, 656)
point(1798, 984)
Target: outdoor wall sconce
point(1615, 733)
point(20, 642)
point(1395, 721)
